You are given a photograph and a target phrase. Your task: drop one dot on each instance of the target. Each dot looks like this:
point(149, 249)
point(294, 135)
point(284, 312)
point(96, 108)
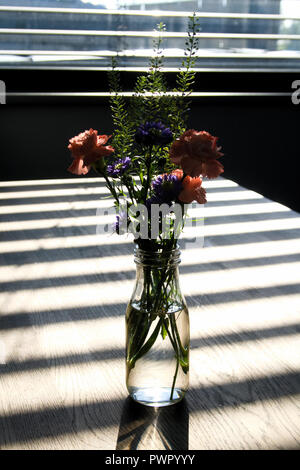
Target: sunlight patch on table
point(257, 426)
point(66, 385)
point(56, 206)
point(246, 360)
point(87, 336)
point(100, 181)
point(54, 193)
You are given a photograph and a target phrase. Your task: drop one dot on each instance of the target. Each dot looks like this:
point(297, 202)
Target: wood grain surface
point(65, 281)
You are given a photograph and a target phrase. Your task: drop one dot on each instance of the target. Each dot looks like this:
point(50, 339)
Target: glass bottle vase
point(157, 331)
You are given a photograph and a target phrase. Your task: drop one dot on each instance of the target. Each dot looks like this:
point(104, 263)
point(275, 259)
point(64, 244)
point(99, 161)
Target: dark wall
point(35, 137)
point(260, 139)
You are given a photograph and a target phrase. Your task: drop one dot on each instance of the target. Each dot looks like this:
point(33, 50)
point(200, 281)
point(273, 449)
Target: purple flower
point(153, 133)
point(166, 188)
point(119, 167)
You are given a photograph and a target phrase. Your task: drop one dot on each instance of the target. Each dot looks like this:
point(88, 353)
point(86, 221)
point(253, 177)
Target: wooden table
point(64, 289)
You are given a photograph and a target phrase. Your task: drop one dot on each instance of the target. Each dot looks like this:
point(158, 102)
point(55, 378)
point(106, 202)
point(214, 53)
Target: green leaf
point(164, 326)
point(184, 365)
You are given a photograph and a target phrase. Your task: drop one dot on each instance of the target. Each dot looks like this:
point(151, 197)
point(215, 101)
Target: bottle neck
point(157, 260)
point(157, 282)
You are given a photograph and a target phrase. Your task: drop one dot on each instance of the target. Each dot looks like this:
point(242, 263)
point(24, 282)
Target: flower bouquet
point(153, 168)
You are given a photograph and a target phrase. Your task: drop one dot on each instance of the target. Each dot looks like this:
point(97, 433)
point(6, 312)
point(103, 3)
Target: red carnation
point(197, 153)
point(86, 148)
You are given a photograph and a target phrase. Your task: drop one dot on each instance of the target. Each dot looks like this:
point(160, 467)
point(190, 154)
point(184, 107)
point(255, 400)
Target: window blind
point(234, 34)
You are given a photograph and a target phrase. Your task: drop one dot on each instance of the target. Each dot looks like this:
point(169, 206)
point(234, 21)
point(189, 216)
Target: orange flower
point(83, 143)
point(78, 167)
point(86, 148)
point(197, 153)
point(192, 190)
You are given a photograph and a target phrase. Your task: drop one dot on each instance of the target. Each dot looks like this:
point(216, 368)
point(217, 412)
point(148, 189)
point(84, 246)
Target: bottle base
point(156, 397)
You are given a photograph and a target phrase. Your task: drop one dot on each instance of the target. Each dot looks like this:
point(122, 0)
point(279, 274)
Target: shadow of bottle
point(147, 428)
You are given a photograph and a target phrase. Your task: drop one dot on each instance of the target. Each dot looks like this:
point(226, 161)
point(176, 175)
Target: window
point(235, 34)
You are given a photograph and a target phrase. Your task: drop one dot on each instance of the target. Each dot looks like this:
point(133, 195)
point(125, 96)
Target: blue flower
point(153, 133)
point(166, 188)
point(152, 200)
point(119, 167)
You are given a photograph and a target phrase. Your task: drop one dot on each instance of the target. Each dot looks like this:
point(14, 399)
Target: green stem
point(109, 185)
point(175, 377)
point(148, 166)
point(172, 339)
point(112, 189)
point(174, 326)
point(130, 188)
point(159, 297)
point(176, 349)
point(138, 337)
